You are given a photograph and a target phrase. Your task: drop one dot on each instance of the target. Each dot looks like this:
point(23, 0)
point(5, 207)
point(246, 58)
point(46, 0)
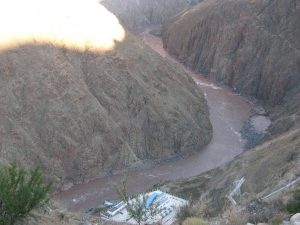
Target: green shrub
point(137, 206)
point(294, 205)
point(20, 192)
point(194, 221)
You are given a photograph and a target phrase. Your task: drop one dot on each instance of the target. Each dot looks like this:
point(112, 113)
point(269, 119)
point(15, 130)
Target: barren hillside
point(81, 114)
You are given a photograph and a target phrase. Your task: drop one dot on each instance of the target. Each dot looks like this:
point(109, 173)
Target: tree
point(139, 207)
point(20, 192)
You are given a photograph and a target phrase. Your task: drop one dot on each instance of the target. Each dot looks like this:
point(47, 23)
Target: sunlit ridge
point(74, 24)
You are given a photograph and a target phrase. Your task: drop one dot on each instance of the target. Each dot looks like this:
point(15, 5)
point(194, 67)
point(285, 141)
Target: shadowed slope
point(135, 14)
point(252, 46)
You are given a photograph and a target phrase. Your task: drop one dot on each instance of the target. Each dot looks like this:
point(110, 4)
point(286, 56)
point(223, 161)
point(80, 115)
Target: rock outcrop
point(295, 219)
point(252, 46)
point(135, 14)
point(79, 115)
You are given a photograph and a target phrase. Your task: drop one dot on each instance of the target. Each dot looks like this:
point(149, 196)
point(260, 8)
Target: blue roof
point(152, 197)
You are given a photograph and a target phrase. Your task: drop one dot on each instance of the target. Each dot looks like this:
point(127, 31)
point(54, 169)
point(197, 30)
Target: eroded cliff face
point(252, 46)
point(135, 14)
point(82, 115)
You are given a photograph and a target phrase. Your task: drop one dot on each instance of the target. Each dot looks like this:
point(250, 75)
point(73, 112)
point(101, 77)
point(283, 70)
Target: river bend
point(228, 112)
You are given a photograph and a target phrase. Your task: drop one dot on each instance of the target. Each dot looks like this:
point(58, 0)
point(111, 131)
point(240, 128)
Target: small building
point(168, 206)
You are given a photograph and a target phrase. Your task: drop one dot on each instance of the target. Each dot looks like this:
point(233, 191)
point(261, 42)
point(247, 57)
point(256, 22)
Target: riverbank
point(228, 112)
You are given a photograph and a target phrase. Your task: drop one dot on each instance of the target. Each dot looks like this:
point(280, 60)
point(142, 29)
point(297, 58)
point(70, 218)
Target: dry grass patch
point(235, 216)
point(194, 221)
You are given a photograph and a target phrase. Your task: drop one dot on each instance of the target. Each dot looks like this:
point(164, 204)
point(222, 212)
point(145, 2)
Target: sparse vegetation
point(186, 211)
point(293, 205)
point(204, 209)
point(277, 219)
point(20, 192)
point(234, 216)
point(263, 212)
point(266, 168)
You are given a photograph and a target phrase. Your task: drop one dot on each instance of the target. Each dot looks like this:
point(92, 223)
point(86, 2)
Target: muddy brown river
point(228, 112)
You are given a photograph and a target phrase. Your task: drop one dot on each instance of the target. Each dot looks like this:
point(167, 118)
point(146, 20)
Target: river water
point(228, 112)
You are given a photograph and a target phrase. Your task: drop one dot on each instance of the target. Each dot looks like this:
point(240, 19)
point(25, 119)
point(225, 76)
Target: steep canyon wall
point(252, 46)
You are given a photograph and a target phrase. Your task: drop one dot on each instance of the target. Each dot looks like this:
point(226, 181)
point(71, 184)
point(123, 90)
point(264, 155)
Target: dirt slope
point(83, 115)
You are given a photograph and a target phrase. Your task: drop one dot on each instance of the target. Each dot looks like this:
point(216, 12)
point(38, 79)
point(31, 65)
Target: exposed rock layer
point(252, 46)
point(82, 115)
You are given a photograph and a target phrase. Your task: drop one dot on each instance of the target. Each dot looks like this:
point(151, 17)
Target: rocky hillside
point(55, 214)
point(252, 46)
point(82, 103)
point(265, 169)
point(285, 116)
point(135, 14)
point(82, 115)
